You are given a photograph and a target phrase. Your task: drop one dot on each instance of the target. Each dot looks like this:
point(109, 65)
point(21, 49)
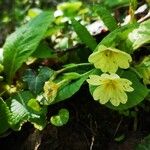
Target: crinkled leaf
point(23, 42)
point(36, 82)
point(84, 35)
point(4, 116)
point(22, 112)
point(60, 119)
point(141, 35)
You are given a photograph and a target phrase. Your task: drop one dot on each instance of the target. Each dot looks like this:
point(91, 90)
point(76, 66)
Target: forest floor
point(90, 127)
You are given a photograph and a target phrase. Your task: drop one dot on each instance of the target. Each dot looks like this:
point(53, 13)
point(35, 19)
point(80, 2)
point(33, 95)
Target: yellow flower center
point(109, 53)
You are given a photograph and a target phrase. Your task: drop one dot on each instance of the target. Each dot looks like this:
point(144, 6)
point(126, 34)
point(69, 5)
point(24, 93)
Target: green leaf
point(1, 55)
point(84, 35)
point(71, 88)
point(71, 75)
point(69, 9)
point(4, 116)
point(54, 30)
point(22, 111)
point(143, 70)
point(1, 68)
point(60, 119)
point(135, 97)
point(106, 17)
point(141, 35)
point(120, 138)
point(36, 82)
point(144, 145)
point(119, 38)
point(63, 44)
point(33, 12)
point(23, 42)
point(33, 104)
point(43, 51)
point(115, 3)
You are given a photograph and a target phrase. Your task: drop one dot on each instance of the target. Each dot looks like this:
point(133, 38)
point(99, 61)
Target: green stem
point(71, 67)
point(62, 82)
point(67, 68)
point(86, 73)
point(132, 8)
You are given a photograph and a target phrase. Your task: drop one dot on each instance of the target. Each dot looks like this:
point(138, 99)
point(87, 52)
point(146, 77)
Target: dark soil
point(91, 127)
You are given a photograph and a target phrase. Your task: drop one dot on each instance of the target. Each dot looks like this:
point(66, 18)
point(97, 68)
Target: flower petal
point(118, 96)
point(115, 101)
point(124, 98)
point(94, 80)
point(123, 60)
point(99, 94)
point(95, 57)
point(126, 85)
point(110, 66)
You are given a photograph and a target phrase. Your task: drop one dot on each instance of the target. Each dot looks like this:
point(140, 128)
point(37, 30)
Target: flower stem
point(132, 8)
point(71, 67)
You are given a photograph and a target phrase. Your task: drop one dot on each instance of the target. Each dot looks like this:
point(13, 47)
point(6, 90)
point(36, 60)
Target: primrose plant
point(118, 78)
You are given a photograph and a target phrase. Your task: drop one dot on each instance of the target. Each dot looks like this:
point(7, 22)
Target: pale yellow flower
point(110, 88)
point(109, 59)
point(50, 91)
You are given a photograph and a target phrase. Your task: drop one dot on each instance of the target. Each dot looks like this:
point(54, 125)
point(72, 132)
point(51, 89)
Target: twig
point(92, 143)
point(144, 18)
point(118, 126)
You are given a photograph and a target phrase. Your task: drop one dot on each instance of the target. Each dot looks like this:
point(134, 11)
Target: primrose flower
point(50, 90)
point(110, 88)
point(109, 59)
